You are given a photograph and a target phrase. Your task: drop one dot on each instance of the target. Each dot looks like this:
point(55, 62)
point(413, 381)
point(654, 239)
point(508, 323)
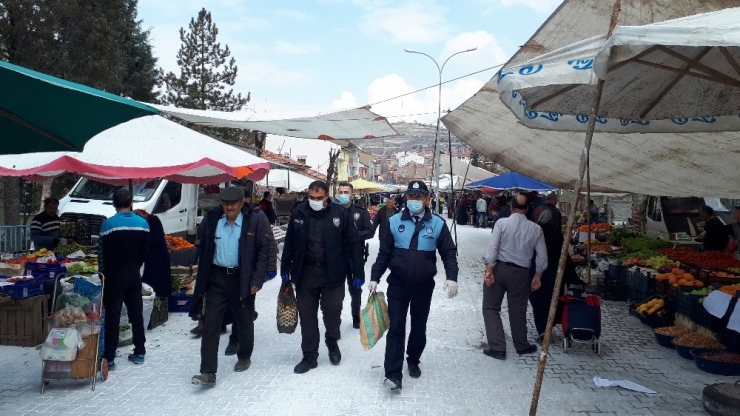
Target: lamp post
point(435, 172)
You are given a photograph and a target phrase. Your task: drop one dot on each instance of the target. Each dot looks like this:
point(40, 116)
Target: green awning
point(42, 113)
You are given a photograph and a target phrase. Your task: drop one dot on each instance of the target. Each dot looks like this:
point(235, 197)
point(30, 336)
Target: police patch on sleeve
point(336, 222)
point(401, 228)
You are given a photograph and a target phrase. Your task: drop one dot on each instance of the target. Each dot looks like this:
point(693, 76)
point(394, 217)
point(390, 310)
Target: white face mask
point(316, 205)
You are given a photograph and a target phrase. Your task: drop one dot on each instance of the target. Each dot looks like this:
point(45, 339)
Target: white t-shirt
point(481, 205)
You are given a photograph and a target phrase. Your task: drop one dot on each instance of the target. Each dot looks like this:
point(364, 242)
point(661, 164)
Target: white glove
point(372, 286)
point(451, 288)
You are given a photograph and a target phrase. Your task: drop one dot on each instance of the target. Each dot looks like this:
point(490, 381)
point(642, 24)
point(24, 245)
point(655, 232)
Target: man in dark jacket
point(320, 244)
point(122, 250)
point(45, 227)
point(361, 218)
point(409, 251)
point(267, 208)
point(715, 236)
point(233, 260)
point(382, 217)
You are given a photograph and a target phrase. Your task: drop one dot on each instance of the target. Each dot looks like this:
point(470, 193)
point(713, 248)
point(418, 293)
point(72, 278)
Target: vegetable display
point(709, 260)
point(177, 243)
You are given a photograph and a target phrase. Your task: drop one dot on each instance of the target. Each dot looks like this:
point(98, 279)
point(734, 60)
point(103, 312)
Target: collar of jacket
point(406, 215)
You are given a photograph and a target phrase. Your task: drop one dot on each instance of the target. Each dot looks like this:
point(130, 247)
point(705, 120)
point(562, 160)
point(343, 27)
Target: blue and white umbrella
point(677, 76)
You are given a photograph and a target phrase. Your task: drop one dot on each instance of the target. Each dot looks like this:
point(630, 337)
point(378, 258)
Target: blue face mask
point(415, 207)
point(343, 199)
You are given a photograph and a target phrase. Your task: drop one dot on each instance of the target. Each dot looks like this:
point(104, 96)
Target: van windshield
point(89, 189)
point(690, 206)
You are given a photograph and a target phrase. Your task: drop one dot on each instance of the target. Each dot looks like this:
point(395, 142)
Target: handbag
point(374, 320)
point(287, 309)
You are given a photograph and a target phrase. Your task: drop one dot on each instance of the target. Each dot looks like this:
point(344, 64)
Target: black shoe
point(414, 370)
point(232, 348)
point(305, 365)
point(256, 315)
point(242, 365)
point(499, 355)
point(529, 350)
point(206, 379)
point(197, 332)
point(394, 383)
point(335, 356)
point(356, 324)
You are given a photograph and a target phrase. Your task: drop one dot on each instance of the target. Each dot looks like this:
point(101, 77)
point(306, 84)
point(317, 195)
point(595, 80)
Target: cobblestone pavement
point(457, 378)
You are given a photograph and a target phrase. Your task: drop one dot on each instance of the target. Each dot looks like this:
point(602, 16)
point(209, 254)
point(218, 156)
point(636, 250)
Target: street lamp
point(435, 173)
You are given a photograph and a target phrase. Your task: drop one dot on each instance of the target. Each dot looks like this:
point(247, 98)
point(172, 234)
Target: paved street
point(457, 378)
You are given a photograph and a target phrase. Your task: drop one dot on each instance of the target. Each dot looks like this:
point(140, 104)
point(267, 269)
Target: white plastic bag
point(61, 345)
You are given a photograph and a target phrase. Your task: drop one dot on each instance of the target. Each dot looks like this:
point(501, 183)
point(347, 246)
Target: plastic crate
point(180, 303)
point(665, 316)
point(685, 302)
point(701, 317)
point(44, 270)
point(615, 273)
point(160, 314)
point(25, 289)
point(615, 290)
point(730, 339)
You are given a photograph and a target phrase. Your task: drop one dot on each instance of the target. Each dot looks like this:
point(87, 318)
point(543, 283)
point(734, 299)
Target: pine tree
point(204, 71)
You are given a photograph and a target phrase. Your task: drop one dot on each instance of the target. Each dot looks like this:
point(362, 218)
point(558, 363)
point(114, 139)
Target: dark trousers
point(514, 282)
point(401, 298)
point(309, 298)
point(540, 299)
point(356, 295)
point(222, 293)
point(123, 288)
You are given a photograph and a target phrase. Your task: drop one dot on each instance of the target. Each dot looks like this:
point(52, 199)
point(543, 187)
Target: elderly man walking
point(513, 243)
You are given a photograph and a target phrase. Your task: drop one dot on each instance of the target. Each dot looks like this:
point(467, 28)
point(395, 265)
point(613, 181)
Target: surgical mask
point(415, 207)
point(343, 199)
point(316, 205)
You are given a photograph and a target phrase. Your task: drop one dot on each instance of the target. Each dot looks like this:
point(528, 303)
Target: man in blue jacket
point(409, 251)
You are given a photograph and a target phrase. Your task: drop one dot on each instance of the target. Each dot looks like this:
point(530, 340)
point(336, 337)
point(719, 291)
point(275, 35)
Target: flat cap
point(231, 194)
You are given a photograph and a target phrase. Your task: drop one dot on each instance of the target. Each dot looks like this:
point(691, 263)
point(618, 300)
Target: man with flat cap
point(409, 251)
point(233, 260)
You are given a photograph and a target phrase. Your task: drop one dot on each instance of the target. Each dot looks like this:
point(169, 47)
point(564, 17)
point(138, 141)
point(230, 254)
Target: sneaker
point(394, 383)
point(414, 370)
point(206, 379)
point(305, 365)
point(335, 356)
point(111, 365)
point(242, 365)
point(134, 358)
point(232, 348)
point(499, 355)
point(529, 350)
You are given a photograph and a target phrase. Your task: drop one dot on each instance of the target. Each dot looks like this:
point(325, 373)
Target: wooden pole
point(568, 230)
point(452, 184)
point(588, 201)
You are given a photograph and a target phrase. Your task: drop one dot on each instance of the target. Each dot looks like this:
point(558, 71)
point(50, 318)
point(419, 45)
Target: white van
point(175, 204)
point(677, 218)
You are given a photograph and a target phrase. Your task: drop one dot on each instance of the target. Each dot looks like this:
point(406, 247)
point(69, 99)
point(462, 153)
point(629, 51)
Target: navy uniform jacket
point(409, 250)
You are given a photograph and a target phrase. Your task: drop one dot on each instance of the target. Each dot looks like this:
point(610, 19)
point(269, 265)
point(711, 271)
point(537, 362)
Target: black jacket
point(362, 221)
point(269, 210)
point(341, 240)
point(381, 220)
point(716, 237)
point(409, 250)
point(254, 252)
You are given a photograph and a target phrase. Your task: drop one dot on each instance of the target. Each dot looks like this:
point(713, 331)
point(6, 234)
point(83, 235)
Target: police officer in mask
point(361, 218)
point(320, 244)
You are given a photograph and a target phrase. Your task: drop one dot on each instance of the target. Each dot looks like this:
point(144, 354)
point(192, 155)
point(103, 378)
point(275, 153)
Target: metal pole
point(435, 172)
point(568, 229)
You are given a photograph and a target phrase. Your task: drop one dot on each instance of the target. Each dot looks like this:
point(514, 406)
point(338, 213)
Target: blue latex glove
point(271, 274)
point(357, 283)
point(285, 277)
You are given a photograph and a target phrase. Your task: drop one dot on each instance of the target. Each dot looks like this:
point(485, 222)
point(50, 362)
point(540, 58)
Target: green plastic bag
point(373, 320)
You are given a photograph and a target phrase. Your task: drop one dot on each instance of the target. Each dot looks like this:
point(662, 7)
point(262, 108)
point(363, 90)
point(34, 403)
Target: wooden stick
point(568, 230)
point(698, 66)
point(733, 83)
point(730, 59)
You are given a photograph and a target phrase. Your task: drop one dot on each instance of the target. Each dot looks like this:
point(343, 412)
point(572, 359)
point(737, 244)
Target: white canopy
point(284, 178)
point(142, 149)
point(655, 164)
point(358, 123)
point(678, 76)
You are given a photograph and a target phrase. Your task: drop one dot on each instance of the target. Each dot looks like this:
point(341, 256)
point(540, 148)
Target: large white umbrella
point(284, 178)
point(140, 150)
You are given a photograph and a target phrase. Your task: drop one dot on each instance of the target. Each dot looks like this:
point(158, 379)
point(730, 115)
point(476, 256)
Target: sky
point(308, 56)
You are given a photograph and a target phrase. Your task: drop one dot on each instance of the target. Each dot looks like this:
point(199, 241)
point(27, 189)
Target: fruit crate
point(44, 270)
point(615, 290)
point(640, 281)
point(25, 289)
point(22, 321)
point(160, 313)
point(701, 317)
point(685, 302)
point(730, 339)
point(179, 302)
point(615, 273)
point(665, 316)
point(635, 294)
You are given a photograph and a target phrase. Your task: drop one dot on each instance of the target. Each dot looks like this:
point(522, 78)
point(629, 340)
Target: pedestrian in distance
point(122, 250)
point(409, 251)
point(233, 260)
point(320, 244)
point(380, 222)
point(514, 241)
point(481, 206)
point(45, 227)
point(267, 207)
point(361, 219)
